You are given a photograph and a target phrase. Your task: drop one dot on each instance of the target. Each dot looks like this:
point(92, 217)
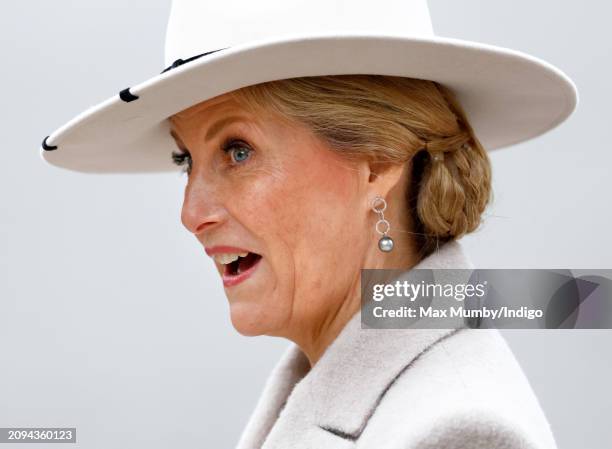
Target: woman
point(310, 158)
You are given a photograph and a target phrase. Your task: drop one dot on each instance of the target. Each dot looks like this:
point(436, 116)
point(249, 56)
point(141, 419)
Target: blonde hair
point(394, 119)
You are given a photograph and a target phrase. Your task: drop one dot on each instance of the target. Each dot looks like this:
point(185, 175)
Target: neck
point(314, 341)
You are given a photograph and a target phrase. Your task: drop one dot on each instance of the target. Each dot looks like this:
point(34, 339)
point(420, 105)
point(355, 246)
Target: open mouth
point(241, 265)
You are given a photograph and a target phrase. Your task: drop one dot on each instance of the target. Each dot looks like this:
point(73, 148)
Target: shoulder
point(467, 391)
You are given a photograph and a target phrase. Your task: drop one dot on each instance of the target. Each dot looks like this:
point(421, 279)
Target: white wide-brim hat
point(216, 47)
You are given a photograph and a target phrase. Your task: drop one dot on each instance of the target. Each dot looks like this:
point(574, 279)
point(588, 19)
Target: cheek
point(311, 202)
point(334, 223)
point(312, 210)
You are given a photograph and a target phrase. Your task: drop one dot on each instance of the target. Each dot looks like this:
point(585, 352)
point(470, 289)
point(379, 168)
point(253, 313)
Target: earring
point(385, 244)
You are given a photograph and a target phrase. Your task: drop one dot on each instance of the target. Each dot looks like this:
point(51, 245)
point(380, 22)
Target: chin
point(248, 320)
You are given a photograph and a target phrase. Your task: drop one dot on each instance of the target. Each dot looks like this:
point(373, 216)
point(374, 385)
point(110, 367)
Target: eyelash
point(183, 157)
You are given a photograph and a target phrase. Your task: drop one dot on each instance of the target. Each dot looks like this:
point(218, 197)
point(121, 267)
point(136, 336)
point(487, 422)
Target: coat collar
point(301, 408)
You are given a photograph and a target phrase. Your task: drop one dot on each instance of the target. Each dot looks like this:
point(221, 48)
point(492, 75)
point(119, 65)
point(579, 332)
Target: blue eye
point(238, 150)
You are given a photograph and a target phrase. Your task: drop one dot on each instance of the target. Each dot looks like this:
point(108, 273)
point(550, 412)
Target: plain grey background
point(113, 320)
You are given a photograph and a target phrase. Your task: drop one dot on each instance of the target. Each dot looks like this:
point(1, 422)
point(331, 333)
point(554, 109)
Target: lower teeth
point(236, 267)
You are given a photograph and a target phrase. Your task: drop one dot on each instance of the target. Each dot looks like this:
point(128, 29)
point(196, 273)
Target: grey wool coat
point(401, 389)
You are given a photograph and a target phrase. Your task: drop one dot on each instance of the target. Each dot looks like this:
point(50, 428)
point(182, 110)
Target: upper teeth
point(226, 258)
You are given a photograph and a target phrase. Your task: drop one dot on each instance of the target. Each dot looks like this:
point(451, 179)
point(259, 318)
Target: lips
point(212, 250)
point(240, 270)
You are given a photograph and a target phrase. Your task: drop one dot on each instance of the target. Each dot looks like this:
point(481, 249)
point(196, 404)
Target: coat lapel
point(289, 370)
point(330, 405)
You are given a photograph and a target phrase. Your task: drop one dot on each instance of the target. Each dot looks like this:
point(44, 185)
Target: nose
point(200, 209)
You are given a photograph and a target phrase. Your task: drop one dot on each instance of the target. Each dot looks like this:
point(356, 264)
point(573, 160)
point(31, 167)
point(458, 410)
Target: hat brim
point(508, 96)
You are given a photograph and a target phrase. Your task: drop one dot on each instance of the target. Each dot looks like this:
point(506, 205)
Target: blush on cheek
point(331, 174)
point(317, 196)
point(319, 213)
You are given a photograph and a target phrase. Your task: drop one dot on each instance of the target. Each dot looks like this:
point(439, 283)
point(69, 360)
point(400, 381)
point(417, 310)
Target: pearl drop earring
point(385, 244)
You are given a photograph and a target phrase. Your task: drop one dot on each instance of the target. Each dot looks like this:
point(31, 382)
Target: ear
point(384, 176)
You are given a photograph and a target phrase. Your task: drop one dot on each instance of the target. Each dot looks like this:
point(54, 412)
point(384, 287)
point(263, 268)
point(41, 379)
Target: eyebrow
point(218, 126)
point(213, 130)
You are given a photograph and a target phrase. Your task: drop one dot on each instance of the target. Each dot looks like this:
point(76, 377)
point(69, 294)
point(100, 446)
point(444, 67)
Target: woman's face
point(272, 189)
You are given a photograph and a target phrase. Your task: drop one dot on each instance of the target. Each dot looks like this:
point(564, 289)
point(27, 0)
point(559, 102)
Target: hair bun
point(453, 194)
